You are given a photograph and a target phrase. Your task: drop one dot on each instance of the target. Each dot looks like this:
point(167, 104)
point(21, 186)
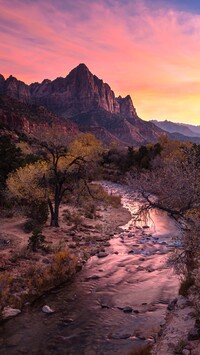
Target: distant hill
point(184, 129)
point(180, 137)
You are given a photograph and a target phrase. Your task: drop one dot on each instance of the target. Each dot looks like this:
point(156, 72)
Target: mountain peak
point(82, 66)
point(86, 100)
point(2, 77)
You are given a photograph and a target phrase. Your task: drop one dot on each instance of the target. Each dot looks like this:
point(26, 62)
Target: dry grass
point(36, 279)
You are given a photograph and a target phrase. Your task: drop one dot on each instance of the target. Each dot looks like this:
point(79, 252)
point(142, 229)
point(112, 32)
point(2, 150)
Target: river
point(114, 305)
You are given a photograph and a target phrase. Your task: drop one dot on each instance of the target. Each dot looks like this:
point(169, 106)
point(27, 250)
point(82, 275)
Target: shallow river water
point(115, 305)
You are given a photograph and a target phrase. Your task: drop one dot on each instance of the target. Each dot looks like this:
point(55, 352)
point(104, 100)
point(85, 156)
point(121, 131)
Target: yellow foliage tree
point(24, 182)
point(49, 180)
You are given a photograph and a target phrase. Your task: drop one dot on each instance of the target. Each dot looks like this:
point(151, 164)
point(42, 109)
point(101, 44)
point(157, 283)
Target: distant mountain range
point(81, 101)
point(187, 130)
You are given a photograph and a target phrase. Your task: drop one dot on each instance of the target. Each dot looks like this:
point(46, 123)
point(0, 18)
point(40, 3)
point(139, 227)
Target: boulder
point(47, 309)
point(9, 312)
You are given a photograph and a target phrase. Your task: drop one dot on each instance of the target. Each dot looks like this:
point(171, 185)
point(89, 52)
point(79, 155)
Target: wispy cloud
point(151, 52)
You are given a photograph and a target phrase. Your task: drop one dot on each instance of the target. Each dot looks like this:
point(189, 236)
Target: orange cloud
point(151, 53)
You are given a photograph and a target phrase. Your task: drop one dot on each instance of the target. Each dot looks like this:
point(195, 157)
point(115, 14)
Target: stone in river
point(131, 252)
point(127, 309)
point(102, 254)
point(172, 304)
point(93, 277)
point(106, 244)
point(103, 305)
point(47, 309)
point(119, 336)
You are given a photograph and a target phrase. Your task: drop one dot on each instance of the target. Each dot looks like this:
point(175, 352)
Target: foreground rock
point(9, 312)
point(47, 309)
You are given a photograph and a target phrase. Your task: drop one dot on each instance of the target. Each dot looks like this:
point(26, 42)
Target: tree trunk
point(54, 212)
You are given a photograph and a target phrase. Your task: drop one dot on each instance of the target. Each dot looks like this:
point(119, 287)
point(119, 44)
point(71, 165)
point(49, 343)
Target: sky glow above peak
point(148, 49)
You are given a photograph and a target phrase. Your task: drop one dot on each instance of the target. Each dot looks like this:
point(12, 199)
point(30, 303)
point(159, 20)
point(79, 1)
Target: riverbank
point(26, 275)
point(180, 333)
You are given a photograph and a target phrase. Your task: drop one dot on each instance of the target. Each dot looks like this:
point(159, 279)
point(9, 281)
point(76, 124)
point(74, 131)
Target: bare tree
point(173, 185)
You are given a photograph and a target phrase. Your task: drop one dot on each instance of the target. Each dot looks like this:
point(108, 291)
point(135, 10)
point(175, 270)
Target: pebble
point(103, 305)
point(127, 309)
point(172, 304)
point(106, 244)
point(102, 254)
point(119, 336)
point(9, 312)
point(194, 334)
point(47, 309)
point(186, 352)
point(93, 277)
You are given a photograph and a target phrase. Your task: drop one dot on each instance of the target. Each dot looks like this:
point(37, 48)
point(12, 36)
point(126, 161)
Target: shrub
point(180, 346)
point(76, 219)
point(62, 267)
point(185, 286)
point(29, 226)
point(91, 211)
point(37, 240)
point(5, 286)
point(37, 211)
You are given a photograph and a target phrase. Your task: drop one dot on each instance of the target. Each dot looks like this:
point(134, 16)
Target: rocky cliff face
point(79, 92)
point(87, 100)
point(28, 119)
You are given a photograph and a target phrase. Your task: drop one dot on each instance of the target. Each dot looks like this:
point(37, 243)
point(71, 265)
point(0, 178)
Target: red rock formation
point(28, 118)
point(87, 100)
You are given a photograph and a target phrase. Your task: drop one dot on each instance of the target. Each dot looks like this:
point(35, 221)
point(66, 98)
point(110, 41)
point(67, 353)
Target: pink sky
point(151, 53)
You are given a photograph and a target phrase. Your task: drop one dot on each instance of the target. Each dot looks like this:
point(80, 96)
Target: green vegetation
point(126, 159)
point(37, 240)
point(10, 159)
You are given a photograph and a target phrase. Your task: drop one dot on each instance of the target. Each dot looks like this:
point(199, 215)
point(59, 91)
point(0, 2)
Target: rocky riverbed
point(115, 305)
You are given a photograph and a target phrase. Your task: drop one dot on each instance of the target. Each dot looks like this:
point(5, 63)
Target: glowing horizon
point(151, 52)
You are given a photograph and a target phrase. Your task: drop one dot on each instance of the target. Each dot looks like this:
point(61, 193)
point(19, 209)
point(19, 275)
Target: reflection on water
point(115, 305)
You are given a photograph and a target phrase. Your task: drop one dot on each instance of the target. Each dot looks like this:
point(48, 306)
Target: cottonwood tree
point(65, 164)
point(10, 158)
